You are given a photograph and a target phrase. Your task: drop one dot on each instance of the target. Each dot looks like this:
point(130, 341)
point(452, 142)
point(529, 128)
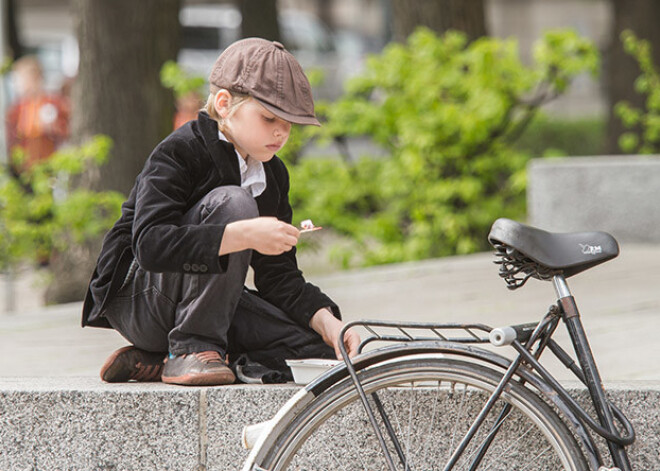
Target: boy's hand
point(266, 235)
point(329, 327)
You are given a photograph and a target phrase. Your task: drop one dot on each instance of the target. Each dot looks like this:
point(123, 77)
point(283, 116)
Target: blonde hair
point(237, 99)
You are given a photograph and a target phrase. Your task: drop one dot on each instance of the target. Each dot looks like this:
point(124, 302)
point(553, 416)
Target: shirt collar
point(253, 175)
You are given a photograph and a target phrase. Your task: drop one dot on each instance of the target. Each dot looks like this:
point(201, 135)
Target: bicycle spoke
point(487, 438)
point(393, 412)
point(357, 453)
point(406, 465)
point(544, 452)
point(473, 448)
point(336, 460)
point(461, 413)
point(429, 436)
point(515, 442)
point(494, 458)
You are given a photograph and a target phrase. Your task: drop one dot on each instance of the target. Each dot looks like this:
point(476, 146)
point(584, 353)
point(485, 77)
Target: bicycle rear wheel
point(430, 404)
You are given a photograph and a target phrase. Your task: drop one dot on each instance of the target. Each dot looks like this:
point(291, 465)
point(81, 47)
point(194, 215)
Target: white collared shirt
point(253, 175)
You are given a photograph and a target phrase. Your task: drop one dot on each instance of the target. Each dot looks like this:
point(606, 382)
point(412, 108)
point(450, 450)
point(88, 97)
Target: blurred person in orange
point(38, 121)
point(187, 107)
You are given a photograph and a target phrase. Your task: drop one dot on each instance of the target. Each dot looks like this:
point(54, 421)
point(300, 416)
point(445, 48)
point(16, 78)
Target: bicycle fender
point(297, 402)
point(380, 355)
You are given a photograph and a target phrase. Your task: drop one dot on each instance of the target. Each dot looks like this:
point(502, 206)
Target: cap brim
point(296, 119)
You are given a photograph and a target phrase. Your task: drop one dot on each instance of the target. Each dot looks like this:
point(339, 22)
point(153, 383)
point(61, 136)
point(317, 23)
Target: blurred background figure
point(37, 121)
point(187, 106)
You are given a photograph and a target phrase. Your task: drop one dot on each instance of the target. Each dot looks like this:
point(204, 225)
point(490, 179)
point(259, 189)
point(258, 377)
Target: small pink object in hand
point(308, 226)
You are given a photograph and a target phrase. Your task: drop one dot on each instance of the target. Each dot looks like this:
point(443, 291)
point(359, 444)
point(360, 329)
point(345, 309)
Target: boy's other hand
point(266, 235)
point(329, 327)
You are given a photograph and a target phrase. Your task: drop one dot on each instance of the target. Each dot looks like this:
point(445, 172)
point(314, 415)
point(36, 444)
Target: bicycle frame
point(571, 317)
point(587, 372)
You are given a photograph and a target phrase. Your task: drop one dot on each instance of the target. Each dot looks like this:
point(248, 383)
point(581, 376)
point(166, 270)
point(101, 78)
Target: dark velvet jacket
point(183, 168)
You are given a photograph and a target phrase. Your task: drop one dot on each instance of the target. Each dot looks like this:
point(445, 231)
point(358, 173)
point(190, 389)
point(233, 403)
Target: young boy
point(211, 200)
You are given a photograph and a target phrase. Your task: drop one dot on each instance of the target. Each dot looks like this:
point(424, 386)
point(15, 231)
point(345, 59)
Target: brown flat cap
point(269, 74)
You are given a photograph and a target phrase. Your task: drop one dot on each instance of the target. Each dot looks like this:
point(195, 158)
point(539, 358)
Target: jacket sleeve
point(161, 243)
point(278, 279)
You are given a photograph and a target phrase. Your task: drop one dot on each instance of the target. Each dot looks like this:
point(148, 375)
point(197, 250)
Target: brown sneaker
point(197, 369)
point(131, 363)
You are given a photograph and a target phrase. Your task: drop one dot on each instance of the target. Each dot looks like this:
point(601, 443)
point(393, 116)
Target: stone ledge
point(83, 424)
point(616, 194)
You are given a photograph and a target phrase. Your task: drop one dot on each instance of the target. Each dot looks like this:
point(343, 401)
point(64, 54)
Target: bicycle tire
point(332, 431)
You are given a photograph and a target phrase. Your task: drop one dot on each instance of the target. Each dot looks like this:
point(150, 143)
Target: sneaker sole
point(113, 366)
point(107, 370)
point(201, 379)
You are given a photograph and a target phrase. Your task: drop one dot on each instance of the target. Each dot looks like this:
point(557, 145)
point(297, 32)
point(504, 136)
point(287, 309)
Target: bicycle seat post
point(561, 287)
point(585, 356)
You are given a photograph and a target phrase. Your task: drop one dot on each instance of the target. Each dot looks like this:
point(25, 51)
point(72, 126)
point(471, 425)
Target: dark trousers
point(184, 313)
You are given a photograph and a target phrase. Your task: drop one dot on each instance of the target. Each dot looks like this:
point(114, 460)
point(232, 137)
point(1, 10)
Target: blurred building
point(333, 35)
point(528, 19)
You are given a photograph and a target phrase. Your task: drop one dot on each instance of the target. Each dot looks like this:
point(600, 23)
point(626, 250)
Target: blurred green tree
point(181, 82)
point(641, 17)
point(643, 122)
point(45, 215)
point(447, 112)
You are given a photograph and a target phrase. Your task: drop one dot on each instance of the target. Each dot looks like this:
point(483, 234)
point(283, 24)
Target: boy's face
point(256, 132)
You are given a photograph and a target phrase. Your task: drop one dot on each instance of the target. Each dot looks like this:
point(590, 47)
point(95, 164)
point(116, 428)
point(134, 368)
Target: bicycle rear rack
point(400, 332)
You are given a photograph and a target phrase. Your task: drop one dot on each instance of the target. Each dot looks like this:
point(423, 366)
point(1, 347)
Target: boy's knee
point(229, 203)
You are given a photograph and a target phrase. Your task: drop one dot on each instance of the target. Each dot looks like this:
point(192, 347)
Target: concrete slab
point(616, 194)
point(80, 424)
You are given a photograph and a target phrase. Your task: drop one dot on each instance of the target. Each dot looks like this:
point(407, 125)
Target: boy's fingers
point(293, 230)
point(291, 241)
point(351, 342)
point(354, 344)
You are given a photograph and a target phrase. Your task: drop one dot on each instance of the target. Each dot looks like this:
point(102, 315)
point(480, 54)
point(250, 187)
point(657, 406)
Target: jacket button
point(195, 267)
point(203, 268)
point(186, 267)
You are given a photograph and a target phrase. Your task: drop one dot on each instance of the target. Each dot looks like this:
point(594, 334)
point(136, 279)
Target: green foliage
point(174, 77)
point(42, 210)
point(562, 55)
point(447, 113)
point(644, 125)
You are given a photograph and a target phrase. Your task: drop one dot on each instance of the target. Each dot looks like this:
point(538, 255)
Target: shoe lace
point(210, 356)
point(144, 372)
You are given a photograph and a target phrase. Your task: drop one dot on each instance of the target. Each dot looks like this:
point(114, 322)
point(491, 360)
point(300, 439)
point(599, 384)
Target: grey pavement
point(619, 302)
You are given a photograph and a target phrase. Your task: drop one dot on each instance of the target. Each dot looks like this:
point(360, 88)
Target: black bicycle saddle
point(569, 253)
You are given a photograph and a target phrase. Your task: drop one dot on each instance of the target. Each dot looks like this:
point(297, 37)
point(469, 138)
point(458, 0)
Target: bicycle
point(435, 398)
